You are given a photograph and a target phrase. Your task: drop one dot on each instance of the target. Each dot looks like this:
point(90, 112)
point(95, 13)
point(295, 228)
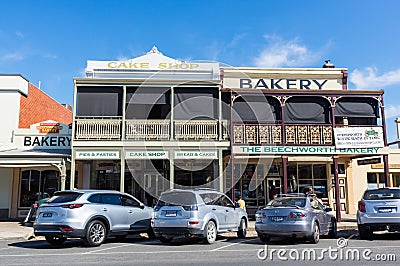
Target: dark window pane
point(319, 171)
point(62, 197)
point(371, 178)
point(113, 199)
point(305, 171)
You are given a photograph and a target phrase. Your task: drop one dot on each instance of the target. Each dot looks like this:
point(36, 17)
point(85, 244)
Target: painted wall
point(10, 106)
point(11, 89)
point(5, 191)
point(358, 177)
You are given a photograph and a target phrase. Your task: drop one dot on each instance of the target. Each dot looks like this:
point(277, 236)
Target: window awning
point(32, 158)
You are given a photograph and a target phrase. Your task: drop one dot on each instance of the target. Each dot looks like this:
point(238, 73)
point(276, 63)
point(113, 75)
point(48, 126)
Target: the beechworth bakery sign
point(43, 135)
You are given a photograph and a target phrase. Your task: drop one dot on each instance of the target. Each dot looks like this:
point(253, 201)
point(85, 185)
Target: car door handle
point(227, 210)
point(105, 209)
point(213, 209)
point(130, 211)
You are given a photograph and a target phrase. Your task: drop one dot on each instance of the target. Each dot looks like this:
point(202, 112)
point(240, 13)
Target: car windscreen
point(382, 194)
point(288, 202)
point(177, 199)
point(62, 197)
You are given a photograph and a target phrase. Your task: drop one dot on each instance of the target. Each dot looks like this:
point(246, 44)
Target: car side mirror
point(141, 206)
point(328, 209)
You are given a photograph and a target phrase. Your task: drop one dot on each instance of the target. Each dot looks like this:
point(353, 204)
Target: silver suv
point(196, 213)
point(92, 215)
point(378, 210)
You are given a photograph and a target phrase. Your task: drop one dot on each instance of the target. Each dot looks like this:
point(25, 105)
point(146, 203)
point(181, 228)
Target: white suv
point(197, 213)
point(92, 215)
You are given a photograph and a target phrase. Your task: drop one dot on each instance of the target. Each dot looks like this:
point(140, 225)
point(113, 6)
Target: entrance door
point(273, 187)
point(154, 184)
point(342, 194)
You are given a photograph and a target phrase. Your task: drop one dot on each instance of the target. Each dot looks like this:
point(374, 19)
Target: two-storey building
point(153, 123)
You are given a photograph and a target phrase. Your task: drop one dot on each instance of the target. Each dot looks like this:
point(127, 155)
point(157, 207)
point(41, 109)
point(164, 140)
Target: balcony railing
point(147, 129)
point(272, 134)
point(107, 128)
point(104, 128)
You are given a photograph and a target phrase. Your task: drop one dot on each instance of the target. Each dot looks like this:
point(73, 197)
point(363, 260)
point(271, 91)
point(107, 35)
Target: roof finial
point(154, 50)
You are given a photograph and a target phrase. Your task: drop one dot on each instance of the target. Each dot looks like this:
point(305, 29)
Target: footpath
point(14, 229)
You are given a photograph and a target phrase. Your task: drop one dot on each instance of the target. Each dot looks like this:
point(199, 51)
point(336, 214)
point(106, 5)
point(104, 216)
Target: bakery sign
point(44, 135)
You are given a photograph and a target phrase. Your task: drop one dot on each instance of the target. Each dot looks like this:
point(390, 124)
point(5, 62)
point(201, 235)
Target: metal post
point(386, 170)
point(337, 189)
point(285, 177)
point(221, 171)
point(122, 171)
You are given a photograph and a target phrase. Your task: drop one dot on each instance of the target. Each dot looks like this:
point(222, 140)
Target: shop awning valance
point(357, 107)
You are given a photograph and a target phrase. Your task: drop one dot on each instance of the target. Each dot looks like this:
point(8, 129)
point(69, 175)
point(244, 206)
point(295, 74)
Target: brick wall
point(38, 107)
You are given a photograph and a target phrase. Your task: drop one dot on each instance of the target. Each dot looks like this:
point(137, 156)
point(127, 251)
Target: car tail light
point(297, 215)
point(191, 208)
point(72, 206)
point(66, 229)
point(361, 206)
point(35, 205)
point(192, 223)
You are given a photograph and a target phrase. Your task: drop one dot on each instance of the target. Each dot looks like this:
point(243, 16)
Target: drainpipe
point(385, 157)
point(398, 131)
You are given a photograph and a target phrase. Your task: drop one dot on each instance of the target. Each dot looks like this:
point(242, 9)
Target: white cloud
point(17, 56)
point(392, 111)
point(19, 34)
point(368, 78)
point(281, 53)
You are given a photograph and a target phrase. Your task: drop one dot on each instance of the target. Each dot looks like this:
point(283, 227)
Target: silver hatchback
point(378, 210)
point(92, 215)
point(197, 213)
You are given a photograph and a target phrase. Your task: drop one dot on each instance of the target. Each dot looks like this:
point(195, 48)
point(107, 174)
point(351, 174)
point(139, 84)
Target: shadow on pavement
point(73, 243)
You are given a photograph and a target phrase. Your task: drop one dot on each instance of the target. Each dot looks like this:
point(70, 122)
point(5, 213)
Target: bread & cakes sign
point(44, 135)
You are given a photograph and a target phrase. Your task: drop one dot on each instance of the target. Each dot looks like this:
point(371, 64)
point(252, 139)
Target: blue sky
point(50, 41)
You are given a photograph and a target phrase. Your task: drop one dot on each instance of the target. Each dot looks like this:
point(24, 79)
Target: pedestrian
point(241, 203)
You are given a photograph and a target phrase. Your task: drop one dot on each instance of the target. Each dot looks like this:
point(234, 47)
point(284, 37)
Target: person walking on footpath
point(241, 203)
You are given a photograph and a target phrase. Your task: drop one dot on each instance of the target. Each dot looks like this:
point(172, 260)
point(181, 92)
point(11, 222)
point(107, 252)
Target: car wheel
point(55, 240)
point(210, 233)
point(333, 230)
point(164, 239)
point(150, 233)
point(364, 233)
point(242, 229)
point(314, 237)
point(264, 238)
point(95, 233)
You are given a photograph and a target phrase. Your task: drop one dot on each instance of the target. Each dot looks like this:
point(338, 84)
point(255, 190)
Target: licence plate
point(385, 210)
point(277, 218)
point(47, 215)
point(170, 213)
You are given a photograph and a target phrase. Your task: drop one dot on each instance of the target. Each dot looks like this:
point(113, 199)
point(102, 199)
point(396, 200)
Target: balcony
point(147, 129)
point(104, 128)
point(107, 128)
point(272, 134)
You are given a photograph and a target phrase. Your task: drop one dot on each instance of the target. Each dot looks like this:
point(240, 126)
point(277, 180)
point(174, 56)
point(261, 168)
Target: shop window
point(376, 180)
point(305, 171)
point(36, 185)
point(396, 180)
point(301, 177)
point(341, 169)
